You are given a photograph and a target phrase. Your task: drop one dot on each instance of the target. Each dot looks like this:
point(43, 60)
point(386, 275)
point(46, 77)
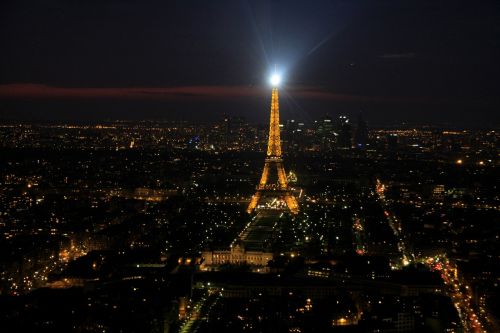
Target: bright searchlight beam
point(275, 80)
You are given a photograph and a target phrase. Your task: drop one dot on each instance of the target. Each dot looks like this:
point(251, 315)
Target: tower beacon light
point(275, 80)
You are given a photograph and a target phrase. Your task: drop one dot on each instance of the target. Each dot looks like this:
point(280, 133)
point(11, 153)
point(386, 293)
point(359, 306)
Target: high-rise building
point(325, 126)
point(344, 139)
point(232, 132)
point(361, 136)
point(326, 133)
point(392, 142)
point(226, 130)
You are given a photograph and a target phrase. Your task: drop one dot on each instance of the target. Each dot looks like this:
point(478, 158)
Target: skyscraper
point(326, 133)
point(344, 139)
point(361, 136)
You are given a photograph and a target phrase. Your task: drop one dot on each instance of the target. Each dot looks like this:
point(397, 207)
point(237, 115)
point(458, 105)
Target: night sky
point(417, 61)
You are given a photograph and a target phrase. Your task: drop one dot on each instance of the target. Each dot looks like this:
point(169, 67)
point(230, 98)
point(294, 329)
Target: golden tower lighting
point(277, 187)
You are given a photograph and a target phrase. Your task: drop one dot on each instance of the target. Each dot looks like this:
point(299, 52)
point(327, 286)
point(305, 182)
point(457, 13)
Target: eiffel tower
point(273, 182)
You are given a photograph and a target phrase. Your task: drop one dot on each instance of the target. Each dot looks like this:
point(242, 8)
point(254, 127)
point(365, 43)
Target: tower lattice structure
point(273, 182)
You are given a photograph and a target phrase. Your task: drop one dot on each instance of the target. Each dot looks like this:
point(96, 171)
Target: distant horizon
point(37, 102)
point(385, 125)
point(208, 103)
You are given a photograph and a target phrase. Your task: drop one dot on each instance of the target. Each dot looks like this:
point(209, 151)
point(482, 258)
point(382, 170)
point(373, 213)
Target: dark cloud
point(206, 93)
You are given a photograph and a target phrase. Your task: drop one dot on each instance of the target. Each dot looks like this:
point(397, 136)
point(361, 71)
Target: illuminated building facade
point(235, 255)
point(273, 182)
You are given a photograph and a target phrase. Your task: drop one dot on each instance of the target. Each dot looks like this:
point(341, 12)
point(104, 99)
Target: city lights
point(345, 231)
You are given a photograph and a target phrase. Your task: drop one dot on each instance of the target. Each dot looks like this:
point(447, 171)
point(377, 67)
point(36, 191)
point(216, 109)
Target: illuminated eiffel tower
point(273, 182)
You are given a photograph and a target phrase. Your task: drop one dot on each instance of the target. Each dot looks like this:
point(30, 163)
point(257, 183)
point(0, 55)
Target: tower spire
point(274, 141)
